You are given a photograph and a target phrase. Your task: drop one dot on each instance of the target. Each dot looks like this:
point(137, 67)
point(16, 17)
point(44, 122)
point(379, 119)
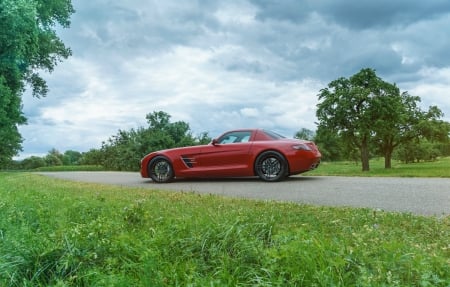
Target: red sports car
point(244, 152)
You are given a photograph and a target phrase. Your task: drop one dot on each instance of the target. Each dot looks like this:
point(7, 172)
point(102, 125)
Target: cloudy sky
point(219, 65)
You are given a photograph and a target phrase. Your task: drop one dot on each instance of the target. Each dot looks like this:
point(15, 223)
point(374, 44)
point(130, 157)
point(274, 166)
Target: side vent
point(189, 161)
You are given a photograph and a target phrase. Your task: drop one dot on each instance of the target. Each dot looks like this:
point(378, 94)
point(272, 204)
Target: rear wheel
point(271, 166)
point(160, 170)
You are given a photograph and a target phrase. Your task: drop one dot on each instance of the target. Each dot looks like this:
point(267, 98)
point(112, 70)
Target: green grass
point(61, 233)
point(438, 168)
point(71, 168)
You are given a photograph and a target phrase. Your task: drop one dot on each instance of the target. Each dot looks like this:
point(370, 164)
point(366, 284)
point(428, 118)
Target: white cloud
point(433, 88)
point(249, 112)
point(232, 13)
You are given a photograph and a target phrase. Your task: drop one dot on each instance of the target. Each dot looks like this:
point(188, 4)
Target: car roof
point(258, 131)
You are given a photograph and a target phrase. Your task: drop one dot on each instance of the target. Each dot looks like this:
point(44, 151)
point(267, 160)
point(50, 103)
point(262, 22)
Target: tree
point(399, 120)
point(54, 158)
point(394, 117)
point(345, 109)
point(366, 112)
point(32, 162)
point(416, 151)
point(433, 139)
point(304, 134)
point(92, 157)
point(10, 117)
point(203, 138)
point(28, 45)
point(330, 144)
point(120, 152)
point(124, 150)
point(433, 129)
point(71, 157)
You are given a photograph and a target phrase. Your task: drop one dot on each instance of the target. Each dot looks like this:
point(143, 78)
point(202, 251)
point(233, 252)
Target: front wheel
point(160, 170)
point(271, 166)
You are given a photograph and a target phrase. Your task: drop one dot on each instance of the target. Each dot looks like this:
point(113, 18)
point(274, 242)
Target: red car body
point(238, 153)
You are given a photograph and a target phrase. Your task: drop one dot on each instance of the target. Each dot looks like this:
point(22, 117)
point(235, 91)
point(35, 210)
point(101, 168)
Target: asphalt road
point(422, 196)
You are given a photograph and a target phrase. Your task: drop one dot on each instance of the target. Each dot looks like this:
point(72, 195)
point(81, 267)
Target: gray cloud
point(368, 14)
point(355, 15)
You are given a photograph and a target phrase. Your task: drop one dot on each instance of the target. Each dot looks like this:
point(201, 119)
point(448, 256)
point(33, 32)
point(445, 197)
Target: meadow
point(60, 233)
point(437, 168)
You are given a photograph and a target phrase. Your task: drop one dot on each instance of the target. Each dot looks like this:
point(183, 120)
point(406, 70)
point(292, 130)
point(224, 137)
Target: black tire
point(160, 170)
point(271, 166)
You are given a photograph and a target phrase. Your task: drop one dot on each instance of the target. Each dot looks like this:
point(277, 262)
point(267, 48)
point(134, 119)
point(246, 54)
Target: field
point(438, 168)
point(59, 233)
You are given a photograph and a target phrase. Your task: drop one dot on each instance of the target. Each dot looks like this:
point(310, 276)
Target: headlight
point(301, 147)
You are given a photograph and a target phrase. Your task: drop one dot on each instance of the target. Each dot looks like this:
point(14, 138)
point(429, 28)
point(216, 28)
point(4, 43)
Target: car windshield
point(274, 135)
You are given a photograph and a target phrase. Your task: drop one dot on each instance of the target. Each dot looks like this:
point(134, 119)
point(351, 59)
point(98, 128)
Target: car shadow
point(241, 179)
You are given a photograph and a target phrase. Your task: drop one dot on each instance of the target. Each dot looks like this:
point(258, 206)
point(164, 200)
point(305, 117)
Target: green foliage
point(438, 168)
point(59, 233)
point(29, 41)
point(28, 45)
point(417, 151)
point(32, 163)
point(10, 117)
point(203, 139)
point(71, 157)
point(346, 108)
point(330, 144)
point(91, 157)
point(371, 115)
point(54, 157)
point(125, 150)
point(305, 134)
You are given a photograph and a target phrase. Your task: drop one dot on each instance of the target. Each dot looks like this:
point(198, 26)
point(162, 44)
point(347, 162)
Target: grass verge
point(438, 168)
point(60, 233)
point(71, 168)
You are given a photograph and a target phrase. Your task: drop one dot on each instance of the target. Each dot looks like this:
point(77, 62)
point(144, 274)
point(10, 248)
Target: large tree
point(344, 108)
point(399, 120)
point(10, 117)
point(366, 111)
point(28, 45)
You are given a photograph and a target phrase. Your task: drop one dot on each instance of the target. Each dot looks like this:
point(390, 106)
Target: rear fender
point(271, 150)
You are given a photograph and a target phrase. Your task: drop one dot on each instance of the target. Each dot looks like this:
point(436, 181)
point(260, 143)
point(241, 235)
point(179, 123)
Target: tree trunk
point(365, 155)
point(388, 158)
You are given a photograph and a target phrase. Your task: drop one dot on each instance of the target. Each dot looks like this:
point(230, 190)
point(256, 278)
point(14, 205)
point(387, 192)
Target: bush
point(32, 162)
point(417, 151)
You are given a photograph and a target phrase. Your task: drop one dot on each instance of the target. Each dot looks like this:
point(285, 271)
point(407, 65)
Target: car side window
point(235, 137)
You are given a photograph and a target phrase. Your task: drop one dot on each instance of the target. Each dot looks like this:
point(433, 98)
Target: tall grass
point(59, 233)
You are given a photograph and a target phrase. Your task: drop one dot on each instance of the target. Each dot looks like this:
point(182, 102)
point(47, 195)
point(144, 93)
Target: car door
point(228, 155)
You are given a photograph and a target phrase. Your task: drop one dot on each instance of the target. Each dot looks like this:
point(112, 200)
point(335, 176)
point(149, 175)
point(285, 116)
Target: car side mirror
point(214, 142)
